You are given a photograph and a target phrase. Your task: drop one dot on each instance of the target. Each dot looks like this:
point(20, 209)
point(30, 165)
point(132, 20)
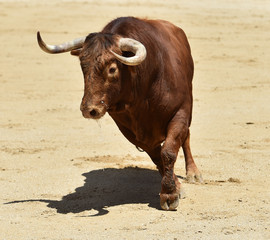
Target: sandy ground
point(64, 177)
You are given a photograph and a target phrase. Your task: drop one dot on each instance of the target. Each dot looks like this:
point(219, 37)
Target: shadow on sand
point(109, 187)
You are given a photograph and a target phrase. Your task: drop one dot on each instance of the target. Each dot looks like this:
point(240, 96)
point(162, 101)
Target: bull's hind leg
point(192, 172)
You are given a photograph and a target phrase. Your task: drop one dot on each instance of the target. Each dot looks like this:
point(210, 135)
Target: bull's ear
point(76, 52)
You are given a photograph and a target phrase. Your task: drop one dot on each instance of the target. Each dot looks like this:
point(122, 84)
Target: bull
point(140, 72)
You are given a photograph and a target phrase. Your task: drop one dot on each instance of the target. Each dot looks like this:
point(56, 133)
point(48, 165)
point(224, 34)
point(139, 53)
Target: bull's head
point(101, 58)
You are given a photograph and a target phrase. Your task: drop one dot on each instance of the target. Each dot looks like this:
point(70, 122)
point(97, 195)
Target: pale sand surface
point(63, 177)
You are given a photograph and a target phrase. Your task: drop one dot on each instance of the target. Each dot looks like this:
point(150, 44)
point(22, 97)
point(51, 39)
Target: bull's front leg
point(170, 186)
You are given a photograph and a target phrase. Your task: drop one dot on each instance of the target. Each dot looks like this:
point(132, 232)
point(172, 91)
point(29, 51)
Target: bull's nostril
point(93, 113)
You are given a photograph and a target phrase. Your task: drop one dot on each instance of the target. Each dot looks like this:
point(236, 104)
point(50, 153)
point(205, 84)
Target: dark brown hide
point(151, 103)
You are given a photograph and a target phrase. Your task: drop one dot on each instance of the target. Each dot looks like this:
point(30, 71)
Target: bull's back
point(174, 42)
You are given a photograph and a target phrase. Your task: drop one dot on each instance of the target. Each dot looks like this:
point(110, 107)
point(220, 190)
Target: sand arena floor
point(63, 177)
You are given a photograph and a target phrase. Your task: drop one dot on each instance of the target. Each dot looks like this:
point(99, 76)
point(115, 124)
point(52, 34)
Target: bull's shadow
point(109, 187)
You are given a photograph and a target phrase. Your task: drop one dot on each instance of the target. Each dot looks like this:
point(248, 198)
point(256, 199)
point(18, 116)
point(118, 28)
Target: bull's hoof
point(193, 177)
point(171, 201)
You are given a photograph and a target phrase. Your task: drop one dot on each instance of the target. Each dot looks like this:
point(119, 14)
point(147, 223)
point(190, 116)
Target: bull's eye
point(112, 70)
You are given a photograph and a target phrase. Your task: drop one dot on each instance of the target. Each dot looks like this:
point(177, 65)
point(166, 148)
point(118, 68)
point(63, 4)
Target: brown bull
point(140, 72)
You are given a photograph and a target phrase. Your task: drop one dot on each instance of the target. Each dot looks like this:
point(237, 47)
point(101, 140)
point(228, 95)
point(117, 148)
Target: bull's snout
point(94, 112)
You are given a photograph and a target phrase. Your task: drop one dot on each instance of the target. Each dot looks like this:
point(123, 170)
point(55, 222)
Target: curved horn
point(131, 45)
point(65, 47)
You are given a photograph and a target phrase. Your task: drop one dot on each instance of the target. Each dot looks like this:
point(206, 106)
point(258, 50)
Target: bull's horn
point(131, 45)
point(65, 47)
